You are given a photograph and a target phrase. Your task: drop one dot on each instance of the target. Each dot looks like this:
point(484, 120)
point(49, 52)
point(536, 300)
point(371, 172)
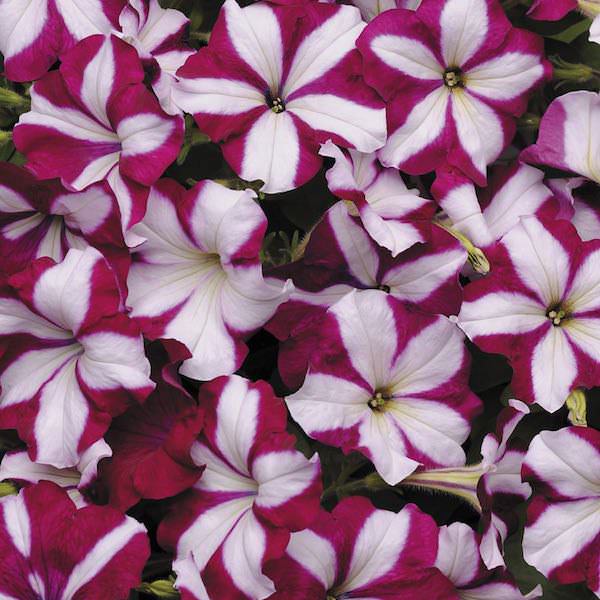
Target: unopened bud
point(576, 403)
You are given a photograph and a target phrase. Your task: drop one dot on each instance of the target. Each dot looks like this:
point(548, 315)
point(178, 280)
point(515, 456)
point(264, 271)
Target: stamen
point(378, 401)
point(453, 77)
point(275, 102)
point(556, 315)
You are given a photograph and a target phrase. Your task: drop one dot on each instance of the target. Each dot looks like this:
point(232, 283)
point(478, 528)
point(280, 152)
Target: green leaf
point(571, 33)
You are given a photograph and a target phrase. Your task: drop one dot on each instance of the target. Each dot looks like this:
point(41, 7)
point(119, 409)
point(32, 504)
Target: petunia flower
point(79, 481)
point(459, 560)
point(539, 307)
point(254, 490)
point(340, 257)
point(485, 215)
point(158, 35)
point(455, 75)
point(94, 120)
point(275, 81)
point(359, 551)
point(493, 486)
point(71, 358)
point(42, 218)
point(562, 533)
point(369, 9)
point(151, 443)
point(34, 34)
point(553, 10)
point(51, 549)
point(390, 383)
point(566, 139)
point(198, 278)
point(391, 213)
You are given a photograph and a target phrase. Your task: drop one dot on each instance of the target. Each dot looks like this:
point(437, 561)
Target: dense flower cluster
point(273, 271)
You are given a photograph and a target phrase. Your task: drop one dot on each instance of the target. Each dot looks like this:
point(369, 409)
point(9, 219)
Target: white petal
point(315, 554)
point(84, 17)
point(506, 76)
point(584, 292)
point(416, 280)
point(61, 419)
point(377, 548)
point(479, 129)
point(540, 260)
point(326, 403)
point(71, 278)
point(464, 25)
point(97, 82)
point(355, 244)
point(368, 329)
point(429, 360)
point(144, 133)
point(272, 152)
point(18, 465)
point(15, 317)
point(553, 370)
point(560, 533)
point(282, 476)
point(256, 35)
point(501, 313)
point(458, 554)
point(323, 48)
point(11, 201)
point(20, 24)
point(216, 96)
point(408, 56)
point(523, 194)
point(362, 127)
point(243, 552)
point(17, 522)
point(423, 125)
point(103, 551)
point(218, 476)
point(585, 333)
point(570, 464)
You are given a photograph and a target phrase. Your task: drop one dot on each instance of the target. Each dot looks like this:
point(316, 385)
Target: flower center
point(453, 77)
point(275, 102)
point(557, 315)
point(379, 400)
point(384, 288)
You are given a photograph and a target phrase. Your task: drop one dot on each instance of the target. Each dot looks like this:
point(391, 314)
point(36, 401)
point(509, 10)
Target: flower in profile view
point(93, 120)
point(197, 277)
point(51, 549)
point(562, 532)
point(255, 489)
point(539, 307)
point(567, 139)
point(455, 75)
point(277, 80)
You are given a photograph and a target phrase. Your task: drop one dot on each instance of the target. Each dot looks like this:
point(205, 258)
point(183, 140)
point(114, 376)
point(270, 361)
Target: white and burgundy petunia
point(42, 218)
point(277, 80)
point(459, 560)
point(562, 533)
point(361, 552)
point(197, 277)
point(390, 382)
point(339, 257)
point(34, 34)
point(71, 358)
point(254, 490)
point(392, 214)
point(51, 549)
point(454, 75)
point(158, 35)
point(567, 138)
point(540, 307)
point(94, 120)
